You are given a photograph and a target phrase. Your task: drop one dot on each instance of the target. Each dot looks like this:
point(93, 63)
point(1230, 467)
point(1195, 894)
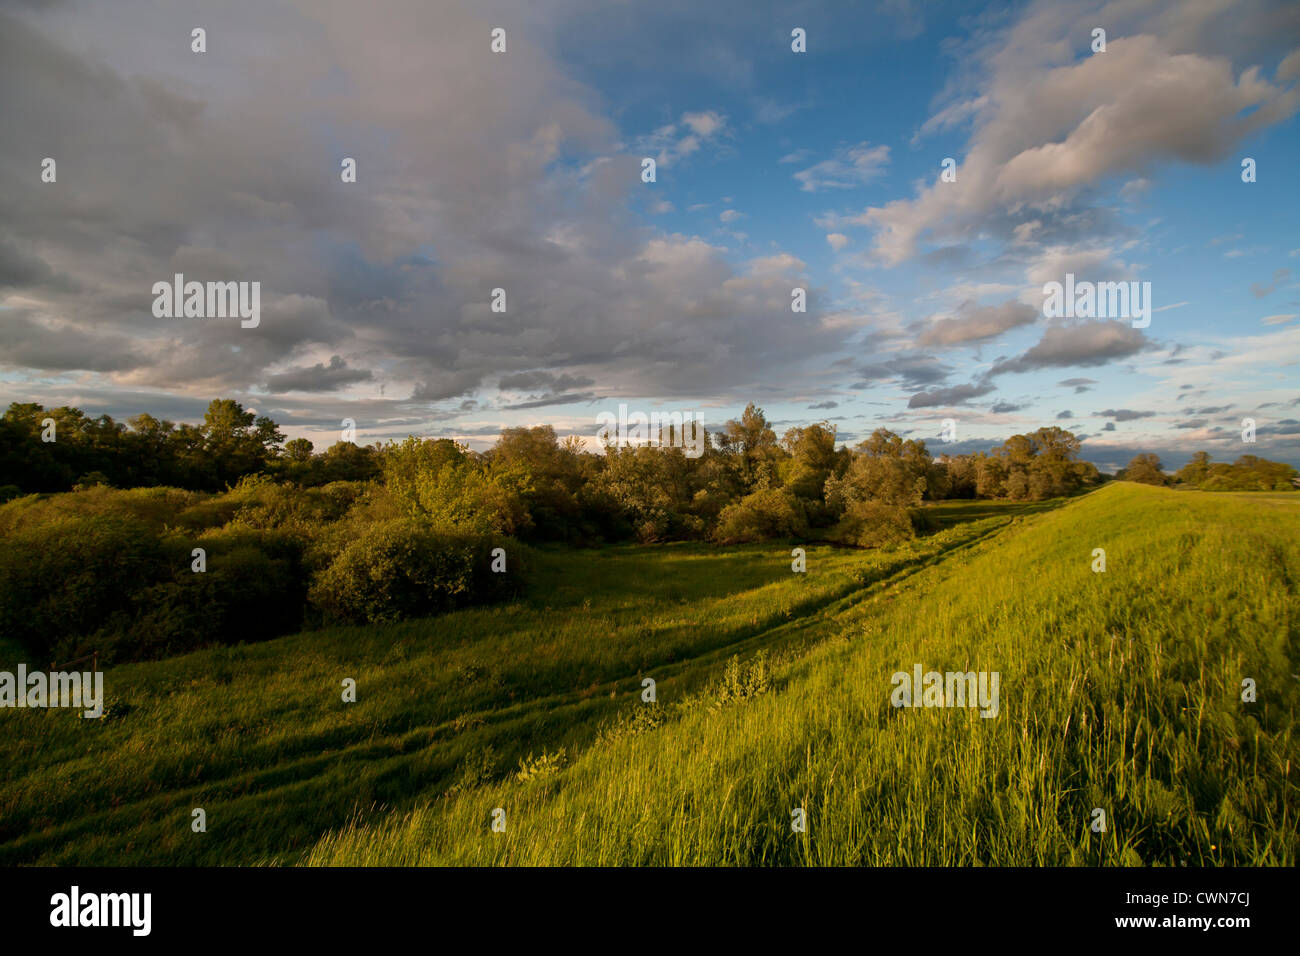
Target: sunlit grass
point(1120, 691)
point(259, 737)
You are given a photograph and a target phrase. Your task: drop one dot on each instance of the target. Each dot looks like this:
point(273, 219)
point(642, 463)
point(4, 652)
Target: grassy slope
point(259, 737)
point(1119, 691)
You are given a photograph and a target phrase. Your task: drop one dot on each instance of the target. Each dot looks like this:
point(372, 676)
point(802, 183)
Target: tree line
point(1247, 473)
point(227, 532)
point(748, 483)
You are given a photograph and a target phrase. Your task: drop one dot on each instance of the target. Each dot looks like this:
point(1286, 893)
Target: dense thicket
point(149, 572)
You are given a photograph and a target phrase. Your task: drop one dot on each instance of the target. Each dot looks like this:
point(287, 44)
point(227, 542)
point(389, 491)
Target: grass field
point(1119, 691)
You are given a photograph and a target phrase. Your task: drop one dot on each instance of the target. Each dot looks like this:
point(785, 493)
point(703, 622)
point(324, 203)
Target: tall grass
point(259, 737)
point(1120, 691)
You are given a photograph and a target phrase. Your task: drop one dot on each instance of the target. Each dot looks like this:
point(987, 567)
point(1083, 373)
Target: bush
point(768, 513)
point(156, 507)
point(254, 589)
point(70, 577)
point(873, 524)
point(399, 568)
point(97, 570)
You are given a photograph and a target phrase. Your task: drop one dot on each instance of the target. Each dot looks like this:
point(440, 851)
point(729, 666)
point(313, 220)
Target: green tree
point(1145, 469)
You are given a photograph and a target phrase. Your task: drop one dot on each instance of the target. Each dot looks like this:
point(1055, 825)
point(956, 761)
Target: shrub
point(70, 577)
point(543, 765)
point(156, 507)
point(873, 524)
point(767, 513)
point(399, 568)
point(253, 589)
point(740, 683)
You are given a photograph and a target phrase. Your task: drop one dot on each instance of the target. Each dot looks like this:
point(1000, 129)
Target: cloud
point(1123, 414)
point(837, 240)
point(824, 405)
point(913, 370)
point(1080, 385)
point(850, 168)
point(568, 398)
point(1003, 408)
point(704, 124)
point(1048, 126)
point(318, 377)
point(1259, 289)
point(546, 388)
point(977, 323)
point(56, 345)
point(674, 142)
point(1280, 319)
point(1089, 343)
point(474, 172)
point(956, 395)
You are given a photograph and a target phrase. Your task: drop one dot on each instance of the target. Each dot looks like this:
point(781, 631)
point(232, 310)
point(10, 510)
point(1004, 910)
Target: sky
point(774, 170)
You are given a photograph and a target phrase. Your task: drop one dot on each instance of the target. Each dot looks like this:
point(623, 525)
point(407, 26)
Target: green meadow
point(1120, 692)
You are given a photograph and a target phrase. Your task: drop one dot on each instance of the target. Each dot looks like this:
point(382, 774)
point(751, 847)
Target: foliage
point(767, 513)
point(403, 568)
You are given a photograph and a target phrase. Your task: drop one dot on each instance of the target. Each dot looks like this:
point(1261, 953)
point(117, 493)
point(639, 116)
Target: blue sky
point(775, 169)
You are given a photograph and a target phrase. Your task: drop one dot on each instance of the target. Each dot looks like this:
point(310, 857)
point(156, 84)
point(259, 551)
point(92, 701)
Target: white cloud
point(704, 124)
point(850, 168)
point(1056, 123)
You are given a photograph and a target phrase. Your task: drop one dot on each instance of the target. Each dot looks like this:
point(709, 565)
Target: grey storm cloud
point(20, 268)
point(1003, 408)
point(1064, 415)
point(543, 381)
point(567, 398)
point(1193, 423)
point(977, 323)
point(58, 345)
point(474, 172)
point(547, 389)
point(318, 377)
point(824, 405)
